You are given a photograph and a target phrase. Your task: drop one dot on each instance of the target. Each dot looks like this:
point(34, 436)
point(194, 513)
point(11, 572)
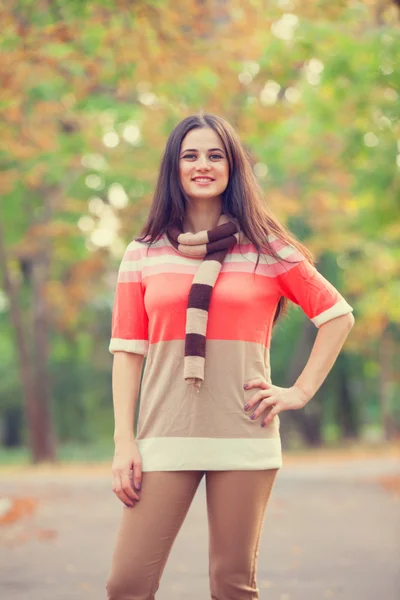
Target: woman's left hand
point(279, 398)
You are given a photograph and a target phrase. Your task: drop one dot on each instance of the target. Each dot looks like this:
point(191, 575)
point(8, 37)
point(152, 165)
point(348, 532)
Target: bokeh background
point(90, 93)
point(90, 90)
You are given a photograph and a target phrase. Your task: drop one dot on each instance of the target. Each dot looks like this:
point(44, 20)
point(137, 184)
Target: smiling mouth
point(202, 180)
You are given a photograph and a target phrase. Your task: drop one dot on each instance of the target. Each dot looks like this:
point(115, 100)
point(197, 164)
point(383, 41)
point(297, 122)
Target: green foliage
point(318, 107)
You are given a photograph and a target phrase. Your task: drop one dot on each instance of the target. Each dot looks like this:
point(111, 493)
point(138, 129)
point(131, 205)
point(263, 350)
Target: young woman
point(198, 294)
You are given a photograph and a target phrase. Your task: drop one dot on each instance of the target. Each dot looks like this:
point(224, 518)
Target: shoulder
point(139, 251)
point(283, 250)
point(132, 254)
point(139, 248)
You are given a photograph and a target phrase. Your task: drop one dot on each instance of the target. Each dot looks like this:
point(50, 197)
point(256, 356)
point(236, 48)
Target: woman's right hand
point(127, 462)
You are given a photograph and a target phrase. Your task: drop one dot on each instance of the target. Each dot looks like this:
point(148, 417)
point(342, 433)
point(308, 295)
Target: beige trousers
point(236, 504)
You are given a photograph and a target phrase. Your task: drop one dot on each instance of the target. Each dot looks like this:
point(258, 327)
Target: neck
point(200, 217)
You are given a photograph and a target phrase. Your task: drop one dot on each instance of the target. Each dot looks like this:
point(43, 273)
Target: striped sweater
point(179, 429)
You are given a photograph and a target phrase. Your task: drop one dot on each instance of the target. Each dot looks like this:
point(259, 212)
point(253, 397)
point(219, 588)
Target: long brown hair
point(243, 197)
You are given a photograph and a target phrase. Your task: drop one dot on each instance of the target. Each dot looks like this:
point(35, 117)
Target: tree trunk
point(12, 426)
point(30, 400)
point(46, 433)
point(40, 329)
point(347, 413)
point(385, 383)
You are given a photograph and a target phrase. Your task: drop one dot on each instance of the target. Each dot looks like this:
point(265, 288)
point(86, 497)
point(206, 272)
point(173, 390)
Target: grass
point(95, 452)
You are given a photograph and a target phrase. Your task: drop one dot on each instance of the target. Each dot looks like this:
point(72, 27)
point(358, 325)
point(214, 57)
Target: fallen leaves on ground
point(390, 483)
point(17, 508)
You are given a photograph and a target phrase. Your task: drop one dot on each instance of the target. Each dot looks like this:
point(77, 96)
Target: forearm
point(127, 369)
point(328, 343)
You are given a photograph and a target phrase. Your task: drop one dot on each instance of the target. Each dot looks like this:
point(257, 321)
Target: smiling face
point(203, 164)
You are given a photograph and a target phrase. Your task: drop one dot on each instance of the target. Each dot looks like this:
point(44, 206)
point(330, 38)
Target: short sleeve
point(129, 326)
point(303, 284)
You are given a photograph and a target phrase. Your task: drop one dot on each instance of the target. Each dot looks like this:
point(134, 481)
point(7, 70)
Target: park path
point(330, 532)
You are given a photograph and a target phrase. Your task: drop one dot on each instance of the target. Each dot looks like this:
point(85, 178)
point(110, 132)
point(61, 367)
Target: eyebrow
point(195, 150)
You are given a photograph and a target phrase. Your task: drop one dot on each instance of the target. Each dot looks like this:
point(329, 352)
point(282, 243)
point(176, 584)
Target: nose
point(203, 163)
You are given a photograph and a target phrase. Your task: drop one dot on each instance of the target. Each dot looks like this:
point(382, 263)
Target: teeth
point(198, 179)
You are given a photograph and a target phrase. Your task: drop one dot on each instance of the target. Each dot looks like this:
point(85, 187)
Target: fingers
point(137, 474)
point(258, 382)
point(266, 398)
point(127, 486)
point(275, 410)
point(119, 492)
point(122, 488)
point(262, 395)
point(264, 405)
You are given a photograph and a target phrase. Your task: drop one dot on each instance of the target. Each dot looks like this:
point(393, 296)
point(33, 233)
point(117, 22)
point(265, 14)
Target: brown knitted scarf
point(212, 245)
